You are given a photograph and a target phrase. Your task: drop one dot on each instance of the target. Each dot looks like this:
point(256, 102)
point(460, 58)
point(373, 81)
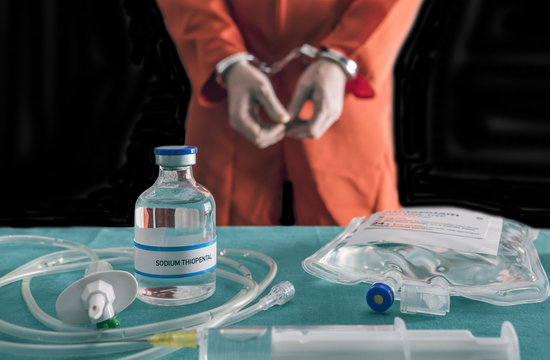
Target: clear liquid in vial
point(175, 247)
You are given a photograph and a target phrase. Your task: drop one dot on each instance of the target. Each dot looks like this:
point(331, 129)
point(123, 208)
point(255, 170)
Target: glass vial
point(175, 233)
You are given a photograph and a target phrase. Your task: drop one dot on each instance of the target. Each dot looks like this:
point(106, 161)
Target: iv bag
point(424, 255)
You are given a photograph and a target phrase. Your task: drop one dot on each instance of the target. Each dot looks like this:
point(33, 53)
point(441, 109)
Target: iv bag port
point(418, 297)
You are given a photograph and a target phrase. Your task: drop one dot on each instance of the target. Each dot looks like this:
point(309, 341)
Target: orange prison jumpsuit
point(346, 173)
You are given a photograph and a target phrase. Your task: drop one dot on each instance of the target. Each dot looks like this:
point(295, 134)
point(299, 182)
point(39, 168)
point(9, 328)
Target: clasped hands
point(249, 90)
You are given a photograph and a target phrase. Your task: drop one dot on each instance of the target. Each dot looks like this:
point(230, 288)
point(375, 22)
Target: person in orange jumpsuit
point(340, 161)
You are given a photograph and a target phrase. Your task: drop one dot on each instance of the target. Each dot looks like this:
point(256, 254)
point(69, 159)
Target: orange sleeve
point(371, 32)
point(204, 34)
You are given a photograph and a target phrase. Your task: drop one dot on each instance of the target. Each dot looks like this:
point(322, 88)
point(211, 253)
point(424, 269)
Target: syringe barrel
point(307, 342)
point(339, 342)
point(388, 342)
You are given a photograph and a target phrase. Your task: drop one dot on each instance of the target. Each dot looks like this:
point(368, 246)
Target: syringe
point(388, 342)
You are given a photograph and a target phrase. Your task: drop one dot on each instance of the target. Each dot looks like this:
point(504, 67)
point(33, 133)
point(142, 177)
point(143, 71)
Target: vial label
point(174, 261)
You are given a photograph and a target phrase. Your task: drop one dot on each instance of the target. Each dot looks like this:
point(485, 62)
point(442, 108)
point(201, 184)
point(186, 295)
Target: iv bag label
point(443, 221)
point(174, 261)
point(450, 228)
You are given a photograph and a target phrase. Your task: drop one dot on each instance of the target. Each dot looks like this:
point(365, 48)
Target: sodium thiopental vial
point(175, 233)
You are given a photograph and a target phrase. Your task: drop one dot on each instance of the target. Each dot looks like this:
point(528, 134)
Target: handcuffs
point(346, 64)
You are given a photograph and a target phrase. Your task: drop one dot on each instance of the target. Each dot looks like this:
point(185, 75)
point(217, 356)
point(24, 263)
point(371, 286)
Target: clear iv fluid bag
point(175, 235)
point(423, 276)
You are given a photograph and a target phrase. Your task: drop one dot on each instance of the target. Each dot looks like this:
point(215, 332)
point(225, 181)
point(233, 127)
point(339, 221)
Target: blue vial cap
point(175, 156)
point(175, 150)
point(380, 297)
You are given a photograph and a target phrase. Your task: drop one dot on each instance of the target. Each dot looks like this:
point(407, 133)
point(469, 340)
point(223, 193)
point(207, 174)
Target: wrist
point(348, 66)
point(225, 65)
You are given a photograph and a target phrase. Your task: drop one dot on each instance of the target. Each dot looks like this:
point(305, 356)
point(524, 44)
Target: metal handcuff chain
point(306, 51)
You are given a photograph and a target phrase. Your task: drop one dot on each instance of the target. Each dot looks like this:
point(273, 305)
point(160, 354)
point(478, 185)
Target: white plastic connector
point(98, 266)
point(419, 297)
point(96, 305)
point(98, 298)
point(280, 294)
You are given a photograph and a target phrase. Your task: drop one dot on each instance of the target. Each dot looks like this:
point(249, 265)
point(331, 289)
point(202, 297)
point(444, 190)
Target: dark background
point(471, 106)
point(89, 87)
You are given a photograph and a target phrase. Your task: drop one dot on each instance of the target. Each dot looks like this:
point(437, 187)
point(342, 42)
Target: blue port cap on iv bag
point(380, 297)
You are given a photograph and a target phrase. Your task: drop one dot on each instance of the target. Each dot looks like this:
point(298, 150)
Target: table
point(317, 302)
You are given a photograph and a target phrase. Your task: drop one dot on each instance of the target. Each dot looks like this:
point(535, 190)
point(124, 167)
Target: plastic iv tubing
point(94, 342)
point(122, 333)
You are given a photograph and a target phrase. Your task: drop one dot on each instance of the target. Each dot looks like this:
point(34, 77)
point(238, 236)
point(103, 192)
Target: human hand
point(324, 83)
point(248, 89)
